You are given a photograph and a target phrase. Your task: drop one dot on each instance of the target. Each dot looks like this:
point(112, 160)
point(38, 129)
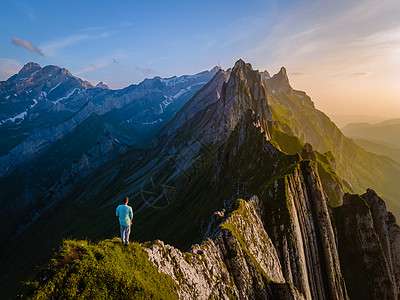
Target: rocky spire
point(279, 83)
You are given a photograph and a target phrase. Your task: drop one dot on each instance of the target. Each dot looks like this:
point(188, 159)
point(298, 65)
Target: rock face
point(301, 229)
point(368, 242)
point(240, 262)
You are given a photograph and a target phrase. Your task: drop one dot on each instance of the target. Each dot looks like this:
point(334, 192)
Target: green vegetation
point(358, 169)
point(333, 185)
point(241, 213)
point(106, 270)
point(287, 143)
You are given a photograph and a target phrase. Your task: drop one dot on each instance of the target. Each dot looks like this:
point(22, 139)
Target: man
point(125, 216)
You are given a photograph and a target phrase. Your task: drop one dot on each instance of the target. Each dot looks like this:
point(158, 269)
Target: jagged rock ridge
point(294, 247)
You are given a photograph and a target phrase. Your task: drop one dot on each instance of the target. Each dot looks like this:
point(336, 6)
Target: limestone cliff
point(368, 242)
point(240, 262)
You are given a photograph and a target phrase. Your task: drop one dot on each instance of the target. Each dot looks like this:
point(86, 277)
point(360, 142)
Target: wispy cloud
point(93, 66)
point(27, 45)
point(145, 72)
point(51, 48)
point(298, 74)
point(361, 73)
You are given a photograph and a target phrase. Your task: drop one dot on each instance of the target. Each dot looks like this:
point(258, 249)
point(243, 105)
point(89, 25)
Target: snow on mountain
point(68, 95)
point(54, 87)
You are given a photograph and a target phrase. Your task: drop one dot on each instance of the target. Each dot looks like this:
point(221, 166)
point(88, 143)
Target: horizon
point(344, 56)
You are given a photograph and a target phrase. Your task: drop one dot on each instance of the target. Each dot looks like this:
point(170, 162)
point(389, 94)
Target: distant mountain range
point(343, 120)
point(386, 133)
point(233, 166)
point(381, 138)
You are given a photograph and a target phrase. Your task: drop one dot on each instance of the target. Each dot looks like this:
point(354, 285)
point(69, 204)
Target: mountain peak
point(282, 75)
point(215, 69)
point(27, 70)
point(31, 66)
point(279, 82)
point(102, 85)
point(241, 64)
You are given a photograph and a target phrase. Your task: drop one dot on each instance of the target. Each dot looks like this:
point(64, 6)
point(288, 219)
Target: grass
point(106, 270)
point(357, 168)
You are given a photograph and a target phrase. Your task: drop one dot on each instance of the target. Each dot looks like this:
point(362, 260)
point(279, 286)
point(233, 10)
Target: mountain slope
point(227, 142)
point(295, 114)
point(379, 148)
point(64, 117)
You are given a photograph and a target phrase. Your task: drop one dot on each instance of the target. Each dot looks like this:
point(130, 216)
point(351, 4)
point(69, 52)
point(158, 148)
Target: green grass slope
point(105, 270)
point(296, 115)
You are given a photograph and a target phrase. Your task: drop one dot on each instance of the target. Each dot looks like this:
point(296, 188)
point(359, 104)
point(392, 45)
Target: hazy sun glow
point(344, 54)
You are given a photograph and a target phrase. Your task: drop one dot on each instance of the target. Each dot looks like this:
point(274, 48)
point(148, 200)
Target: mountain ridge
point(231, 140)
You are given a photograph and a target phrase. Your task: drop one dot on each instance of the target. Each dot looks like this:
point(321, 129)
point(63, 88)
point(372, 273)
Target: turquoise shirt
point(125, 213)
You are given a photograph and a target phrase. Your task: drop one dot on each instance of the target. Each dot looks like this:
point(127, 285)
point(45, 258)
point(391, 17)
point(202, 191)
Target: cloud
point(50, 48)
point(116, 62)
point(361, 73)
point(8, 67)
point(93, 66)
point(298, 74)
point(145, 72)
point(27, 45)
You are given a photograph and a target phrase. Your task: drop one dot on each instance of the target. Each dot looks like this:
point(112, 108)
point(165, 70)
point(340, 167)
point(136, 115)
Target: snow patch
point(34, 103)
point(171, 99)
point(42, 95)
point(21, 117)
point(66, 97)
point(34, 73)
point(177, 80)
point(152, 122)
point(53, 88)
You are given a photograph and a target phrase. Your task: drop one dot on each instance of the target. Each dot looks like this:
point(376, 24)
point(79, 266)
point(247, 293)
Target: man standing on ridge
point(125, 216)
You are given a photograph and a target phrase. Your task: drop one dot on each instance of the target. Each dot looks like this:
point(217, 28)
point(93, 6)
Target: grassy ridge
point(106, 270)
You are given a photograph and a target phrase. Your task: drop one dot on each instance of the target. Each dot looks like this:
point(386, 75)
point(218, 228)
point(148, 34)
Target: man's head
point(126, 200)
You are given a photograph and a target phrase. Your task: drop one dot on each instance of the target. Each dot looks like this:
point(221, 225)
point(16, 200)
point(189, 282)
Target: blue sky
point(345, 54)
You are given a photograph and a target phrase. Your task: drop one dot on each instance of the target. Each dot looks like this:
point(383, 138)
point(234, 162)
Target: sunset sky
point(344, 54)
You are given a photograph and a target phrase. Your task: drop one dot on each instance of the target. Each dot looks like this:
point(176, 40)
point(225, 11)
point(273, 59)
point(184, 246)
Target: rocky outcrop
point(388, 233)
point(297, 218)
point(279, 83)
point(240, 262)
point(368, 242)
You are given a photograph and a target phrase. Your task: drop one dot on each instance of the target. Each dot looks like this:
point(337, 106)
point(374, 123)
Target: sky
point(344, 54)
